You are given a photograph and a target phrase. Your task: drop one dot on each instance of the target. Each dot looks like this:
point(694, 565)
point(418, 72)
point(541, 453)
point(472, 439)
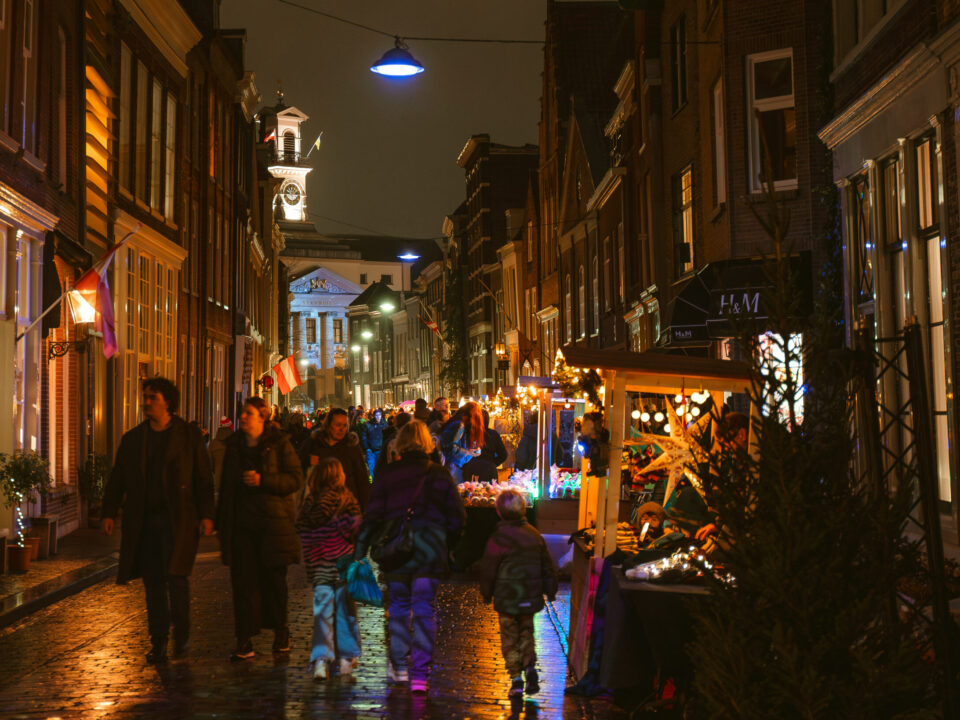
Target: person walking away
point(328, 523)
point(516, 571)
point(218, 447)
point(256, 519)
point(420, 410)
point(371, 437)
point(414, 484)
point(162, 481)
point(389, 452)
point(334, 439)
point(462, 439)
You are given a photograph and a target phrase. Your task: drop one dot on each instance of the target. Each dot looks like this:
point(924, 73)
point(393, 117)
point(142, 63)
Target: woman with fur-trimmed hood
point(335, 440)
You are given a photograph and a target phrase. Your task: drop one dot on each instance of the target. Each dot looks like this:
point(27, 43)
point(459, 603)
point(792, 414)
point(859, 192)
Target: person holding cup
point(334, 439)
point(256, 523)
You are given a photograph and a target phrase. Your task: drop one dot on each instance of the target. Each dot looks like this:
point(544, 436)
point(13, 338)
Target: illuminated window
point(772, 118)
point(683, 221)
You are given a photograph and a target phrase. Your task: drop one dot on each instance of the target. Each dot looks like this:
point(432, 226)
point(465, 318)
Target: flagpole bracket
point(60, 348)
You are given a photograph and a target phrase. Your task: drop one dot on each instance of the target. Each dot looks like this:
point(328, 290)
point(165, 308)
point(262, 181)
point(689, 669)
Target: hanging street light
point(397, 62)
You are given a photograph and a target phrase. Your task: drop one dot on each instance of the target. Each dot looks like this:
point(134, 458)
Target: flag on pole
point(430, 324)
point(316, 143)
point(272, 135)
point(91, 294)
point(287, 376)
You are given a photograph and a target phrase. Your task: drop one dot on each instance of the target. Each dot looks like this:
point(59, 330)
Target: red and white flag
point(272, 135)
point(430, 324)
point(94, 292)
point(287, 376)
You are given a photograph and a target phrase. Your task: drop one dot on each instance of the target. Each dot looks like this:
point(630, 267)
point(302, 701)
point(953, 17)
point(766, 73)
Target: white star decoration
point(679, 452)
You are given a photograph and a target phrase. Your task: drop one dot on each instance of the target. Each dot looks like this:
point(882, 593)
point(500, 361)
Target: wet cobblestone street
point(84, 657)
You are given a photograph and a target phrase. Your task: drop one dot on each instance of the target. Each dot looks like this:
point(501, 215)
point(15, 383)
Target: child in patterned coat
point(328, 524)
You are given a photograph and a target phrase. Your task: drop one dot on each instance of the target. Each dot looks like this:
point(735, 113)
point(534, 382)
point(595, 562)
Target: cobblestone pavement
point(83, 657)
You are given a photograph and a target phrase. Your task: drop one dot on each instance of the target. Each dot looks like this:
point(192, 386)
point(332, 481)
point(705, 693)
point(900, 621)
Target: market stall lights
point(635, 414)
point(666, 428)
point(695, 411)
point(645, 417)
point(658, 417)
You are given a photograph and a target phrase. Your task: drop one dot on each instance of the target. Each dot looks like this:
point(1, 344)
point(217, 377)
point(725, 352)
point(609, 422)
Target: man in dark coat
point(163, 481)
point(371, 437)
point(334, 439)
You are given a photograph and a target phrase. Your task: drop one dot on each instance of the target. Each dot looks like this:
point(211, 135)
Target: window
point(289, 145)
point(891, 203)
point(363, 278)
point(595, 300)
point(926, 186)
point(29, 90)
point(568, 307)
point(534, 321)
point(772, 118)
point(582, 300)
point(155, 144)
point(719, 146)
point(159, 319)
point(6, 41)
point(529, 242)
point(311, 330)
point(621, 267)
point(386, 279)
point(169, 160)
point(140, 180)
point(607, 274)
point(125, 112)
point(168, 311)
point(143, 309)
point(130, 308)
point(678, 64)
point(194, 256)
point(863, 239)
point(683, 221)
point(337, 330)
point(62, 109)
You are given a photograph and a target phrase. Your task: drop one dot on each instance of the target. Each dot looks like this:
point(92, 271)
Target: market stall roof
point(660, 372)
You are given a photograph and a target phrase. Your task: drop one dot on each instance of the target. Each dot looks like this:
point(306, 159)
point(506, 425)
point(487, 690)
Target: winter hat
point(226, 422)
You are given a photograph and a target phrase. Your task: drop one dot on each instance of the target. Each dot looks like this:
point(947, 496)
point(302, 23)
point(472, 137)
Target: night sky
point(387, 161)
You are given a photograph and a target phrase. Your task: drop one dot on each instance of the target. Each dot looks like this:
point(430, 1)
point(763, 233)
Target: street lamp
point(366, 334)
point(408, 256)
point(387, 307)
point(397, 62)
point(83, 315)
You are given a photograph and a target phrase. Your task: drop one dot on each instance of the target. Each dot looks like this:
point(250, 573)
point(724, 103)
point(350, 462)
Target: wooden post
point(615, 406)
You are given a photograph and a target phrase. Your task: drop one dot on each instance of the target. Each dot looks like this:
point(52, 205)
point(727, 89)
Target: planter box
point(19, 558)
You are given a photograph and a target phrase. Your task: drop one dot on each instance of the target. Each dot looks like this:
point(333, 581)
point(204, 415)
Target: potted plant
point(23, 475)
point(91, 480)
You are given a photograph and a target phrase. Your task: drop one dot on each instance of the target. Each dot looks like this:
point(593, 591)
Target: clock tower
point(282, 126)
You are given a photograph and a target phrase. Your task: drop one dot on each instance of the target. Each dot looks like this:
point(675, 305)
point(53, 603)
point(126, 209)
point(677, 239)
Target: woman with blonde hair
point(417, 486)
point(328, 523)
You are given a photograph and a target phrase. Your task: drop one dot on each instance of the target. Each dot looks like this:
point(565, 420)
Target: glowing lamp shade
point(387, 307)
point(635, 414)
point(366, 334)
point(409, 257)
point(81, 311)
point(355, 348)
point(397, 62)
point(645, 417)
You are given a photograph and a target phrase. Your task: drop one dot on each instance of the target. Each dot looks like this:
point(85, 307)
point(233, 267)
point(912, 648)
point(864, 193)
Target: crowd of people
point(321, 488)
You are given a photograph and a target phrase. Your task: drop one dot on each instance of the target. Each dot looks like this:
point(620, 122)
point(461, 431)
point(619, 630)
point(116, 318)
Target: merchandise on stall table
point(564, 484)
point(484, 494)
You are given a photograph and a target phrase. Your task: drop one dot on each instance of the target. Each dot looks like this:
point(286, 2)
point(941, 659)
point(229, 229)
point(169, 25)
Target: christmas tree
point(810, 628)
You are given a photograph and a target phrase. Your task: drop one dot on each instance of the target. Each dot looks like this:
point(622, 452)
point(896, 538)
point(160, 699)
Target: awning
point(701, 311)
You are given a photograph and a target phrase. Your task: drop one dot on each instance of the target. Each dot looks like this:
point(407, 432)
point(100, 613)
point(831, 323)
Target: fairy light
point(21, 524)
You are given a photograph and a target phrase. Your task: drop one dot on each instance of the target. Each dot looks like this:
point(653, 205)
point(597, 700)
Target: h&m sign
point(726, 302)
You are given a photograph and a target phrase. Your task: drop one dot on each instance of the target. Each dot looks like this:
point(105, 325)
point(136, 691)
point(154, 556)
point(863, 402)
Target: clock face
point(291, 193)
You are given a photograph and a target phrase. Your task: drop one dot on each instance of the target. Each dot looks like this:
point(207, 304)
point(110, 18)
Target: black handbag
point(393, 546)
